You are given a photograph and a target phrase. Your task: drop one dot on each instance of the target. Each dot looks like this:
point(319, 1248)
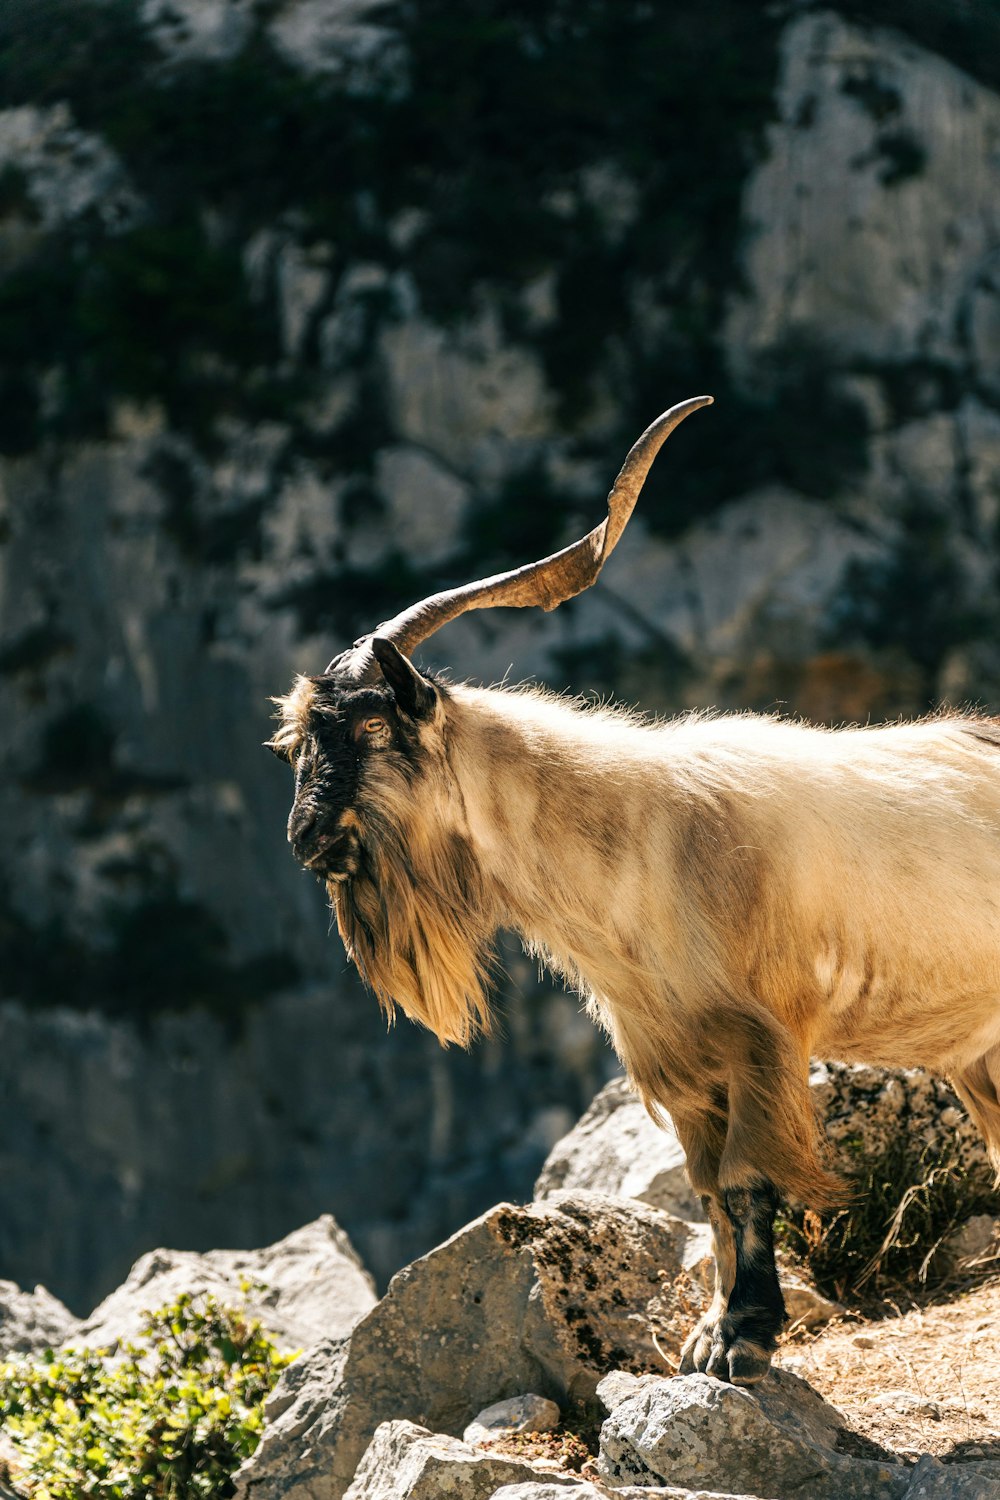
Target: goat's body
point(731, 895)
point(684, 874)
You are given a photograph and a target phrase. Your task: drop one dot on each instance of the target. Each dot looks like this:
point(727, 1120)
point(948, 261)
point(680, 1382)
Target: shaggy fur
point(730, 895)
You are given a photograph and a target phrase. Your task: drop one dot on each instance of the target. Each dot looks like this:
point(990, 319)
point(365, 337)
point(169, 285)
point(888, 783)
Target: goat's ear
point(413, 693)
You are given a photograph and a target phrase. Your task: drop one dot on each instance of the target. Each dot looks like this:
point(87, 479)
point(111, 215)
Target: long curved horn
point(547, 582)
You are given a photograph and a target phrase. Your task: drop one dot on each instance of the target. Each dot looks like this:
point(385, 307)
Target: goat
point(731, 894)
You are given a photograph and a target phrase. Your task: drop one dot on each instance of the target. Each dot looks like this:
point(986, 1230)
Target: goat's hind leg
point(978, 1087)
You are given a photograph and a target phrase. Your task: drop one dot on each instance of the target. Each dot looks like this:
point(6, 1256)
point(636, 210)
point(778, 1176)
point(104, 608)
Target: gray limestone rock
point(777, 1439)
point(543, 1298)
point(336, 37)
point(309, 1286)
point(197, 30)
point(618, 1385)
point(32, 1321)
point(930, 1479)
point(616, 1148)
point(805, 1306)
point(909, 134)
point(545, 1490)
point(68, 172)
point(527, 1413)
point(407, 1462)
point(480, 404)
point(864, 1110)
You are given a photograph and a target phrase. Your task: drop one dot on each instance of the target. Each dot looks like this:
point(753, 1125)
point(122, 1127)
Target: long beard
point(415, 922)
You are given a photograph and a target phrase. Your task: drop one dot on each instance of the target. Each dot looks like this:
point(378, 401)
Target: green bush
point(169, 1418)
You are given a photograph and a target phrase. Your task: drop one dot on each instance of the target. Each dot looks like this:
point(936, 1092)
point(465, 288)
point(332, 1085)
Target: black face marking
point(343, 730)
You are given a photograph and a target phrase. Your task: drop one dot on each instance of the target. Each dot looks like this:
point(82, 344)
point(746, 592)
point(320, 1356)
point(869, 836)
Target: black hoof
point(717, 1349)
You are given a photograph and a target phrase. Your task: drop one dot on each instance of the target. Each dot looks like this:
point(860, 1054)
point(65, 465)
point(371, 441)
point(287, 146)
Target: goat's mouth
point(334, 856)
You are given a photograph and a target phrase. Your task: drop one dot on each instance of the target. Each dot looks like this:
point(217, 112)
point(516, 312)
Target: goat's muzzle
point(329, 848)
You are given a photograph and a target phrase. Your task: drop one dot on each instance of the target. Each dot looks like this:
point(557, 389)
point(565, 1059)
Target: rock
point(197, 30)
point(888, 279)
point(68, 173)
point(302, 282)
point(743, 574)
point(805, 1306)
point(779, 1438)
point(336, 37)
point(534, 1490)
point(526, 1413)
point(425, 504)
point(32, 1321)
point(930, 1479)
point(865, 1110)
point(975, 1244)
point(485, 401)
point(616, 1148)
point(904, 1403)
point(548, 1489)
point(407, 1462)
point(544, 1298)
point(308, 1286)
point(619, 1385)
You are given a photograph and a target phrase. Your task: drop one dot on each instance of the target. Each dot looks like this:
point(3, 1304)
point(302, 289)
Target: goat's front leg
point(739, 1333)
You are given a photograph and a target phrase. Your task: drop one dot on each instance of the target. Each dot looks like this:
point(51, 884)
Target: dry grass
point(886, 1240)
point(925, 1380)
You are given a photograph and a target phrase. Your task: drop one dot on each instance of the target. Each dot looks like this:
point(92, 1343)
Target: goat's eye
point(373, 725)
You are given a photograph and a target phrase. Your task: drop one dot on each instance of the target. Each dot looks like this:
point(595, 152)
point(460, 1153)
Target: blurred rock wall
point(309, 308)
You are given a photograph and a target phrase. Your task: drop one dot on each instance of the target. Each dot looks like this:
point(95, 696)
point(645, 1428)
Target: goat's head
point(350, 738)
point(363, 734)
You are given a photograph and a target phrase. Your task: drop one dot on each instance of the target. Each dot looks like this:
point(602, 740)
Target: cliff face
point(307, 309)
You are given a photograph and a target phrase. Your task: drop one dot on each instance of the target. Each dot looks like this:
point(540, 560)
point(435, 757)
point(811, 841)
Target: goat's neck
point(550, 808)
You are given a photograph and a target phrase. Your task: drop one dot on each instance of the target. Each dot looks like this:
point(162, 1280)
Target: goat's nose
point(301, 823)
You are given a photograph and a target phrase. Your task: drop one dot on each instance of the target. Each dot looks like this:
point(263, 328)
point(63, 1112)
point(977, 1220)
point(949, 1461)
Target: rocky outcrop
point(32, 1321)
point(779, 1439)
point(309, 1286)
point(867, 1111)
point(477, 1373)
point(544, 1298)
point(407, 1462)
point(616, 1148)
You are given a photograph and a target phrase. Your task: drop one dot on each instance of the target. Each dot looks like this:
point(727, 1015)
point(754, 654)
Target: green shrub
point(170, 1418)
